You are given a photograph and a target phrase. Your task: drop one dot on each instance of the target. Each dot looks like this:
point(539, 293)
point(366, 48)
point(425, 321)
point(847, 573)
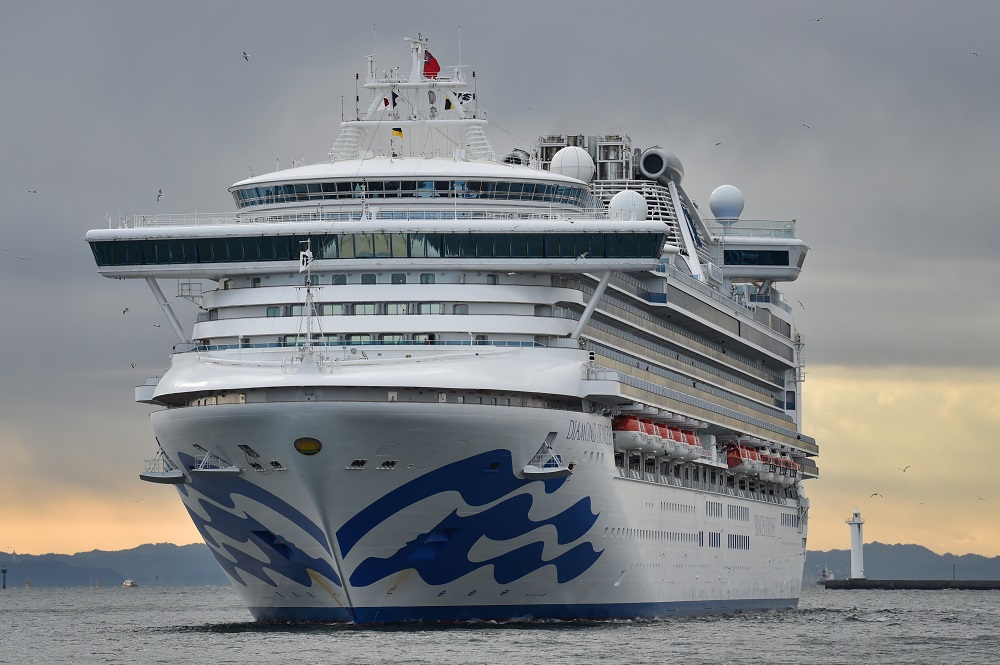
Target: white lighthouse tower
point(857, 546)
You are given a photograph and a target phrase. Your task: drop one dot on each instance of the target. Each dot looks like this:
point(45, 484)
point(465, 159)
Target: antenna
point(459, 47)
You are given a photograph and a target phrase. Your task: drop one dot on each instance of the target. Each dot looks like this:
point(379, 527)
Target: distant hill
point(903, 562)
point(174, 565)
point(149, 565)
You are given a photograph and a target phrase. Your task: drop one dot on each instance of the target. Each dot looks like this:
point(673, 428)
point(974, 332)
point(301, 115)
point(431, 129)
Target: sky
point(873, 124)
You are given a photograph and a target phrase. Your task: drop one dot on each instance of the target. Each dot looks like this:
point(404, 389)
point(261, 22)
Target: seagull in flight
point(817, 20)
point(719, 143)
point(124, 311)
point(874, 494)
point(159, 195)
point(35, 191)
point(975, 54)
point(245, 56)
point(904, 468)
point(805, 125)
point(801, 305)
point(980, 498)
point(133, 365)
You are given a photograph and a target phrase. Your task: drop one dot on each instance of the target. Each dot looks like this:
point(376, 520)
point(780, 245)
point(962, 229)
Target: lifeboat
point(667, 445)
point(629, 434)
point(694, 449)
point(678, 447)
point(743, 460)
point(653, 444)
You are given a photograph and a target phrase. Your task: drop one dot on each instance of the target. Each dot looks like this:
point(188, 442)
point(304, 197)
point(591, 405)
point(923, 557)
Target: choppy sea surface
point(209, 625)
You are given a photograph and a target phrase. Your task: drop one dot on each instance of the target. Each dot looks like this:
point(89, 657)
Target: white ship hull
point(453, 531)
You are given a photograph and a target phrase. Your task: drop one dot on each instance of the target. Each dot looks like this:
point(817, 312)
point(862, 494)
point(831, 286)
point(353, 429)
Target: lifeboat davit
point(768, 470)
point(629, 434)
point(653, 444)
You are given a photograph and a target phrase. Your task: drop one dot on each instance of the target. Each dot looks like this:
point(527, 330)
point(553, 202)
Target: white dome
point(628, 205)
point(574, 162)
point(726, 202)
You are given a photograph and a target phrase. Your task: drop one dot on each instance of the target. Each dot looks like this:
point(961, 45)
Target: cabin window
point(213, 315)
point(363, 308)
point(368, 278)
point(429, 308)
point(492, 279)
point(392, 338)
point(424, 338)
point(460, 309)
point(296, 310)
point(274, 311)
point(427, 278)
point(359, 338)
point(398, 278)
point(396, 308)
point(332, 309)
point(255, 282)
point(339, 280)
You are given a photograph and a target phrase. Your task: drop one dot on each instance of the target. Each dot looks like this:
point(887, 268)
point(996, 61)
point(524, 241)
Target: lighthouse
point(857, 546)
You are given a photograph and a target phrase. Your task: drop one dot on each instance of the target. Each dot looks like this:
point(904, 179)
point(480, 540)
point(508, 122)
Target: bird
point(975, 54)
point(801, 305)
point(904, 468)
point(874, 494)
point(817, 20)
point(124, 311)
point(159, 195)
point(157, 325)
point(719, 143)
point(24, 258)
point(245, 56)
point(32, 191)
point(980, 498)
point(133, 365)
point(806, 125)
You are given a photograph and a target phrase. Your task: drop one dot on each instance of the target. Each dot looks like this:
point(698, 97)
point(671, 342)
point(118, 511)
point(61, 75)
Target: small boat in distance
point(130, 583)
point(824, 575)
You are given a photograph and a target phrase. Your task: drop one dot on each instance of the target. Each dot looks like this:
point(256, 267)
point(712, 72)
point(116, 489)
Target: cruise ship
point(431, 383)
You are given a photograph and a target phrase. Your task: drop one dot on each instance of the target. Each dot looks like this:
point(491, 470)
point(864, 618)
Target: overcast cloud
point(874, 128)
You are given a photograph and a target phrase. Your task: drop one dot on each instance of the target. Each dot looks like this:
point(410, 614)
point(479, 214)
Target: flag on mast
point(397, 132)
point(431, 66)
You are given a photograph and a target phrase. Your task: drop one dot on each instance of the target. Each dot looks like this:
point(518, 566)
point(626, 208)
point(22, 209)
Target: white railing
point(752, 228)
point(436, 214)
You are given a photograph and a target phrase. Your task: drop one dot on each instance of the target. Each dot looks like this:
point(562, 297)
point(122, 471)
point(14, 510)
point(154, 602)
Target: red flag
point(431, 66)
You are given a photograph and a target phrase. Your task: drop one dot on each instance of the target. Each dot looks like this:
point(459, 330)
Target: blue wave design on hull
point(284, 557)
point(441, 555)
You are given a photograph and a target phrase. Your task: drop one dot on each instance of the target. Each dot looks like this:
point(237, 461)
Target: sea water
point(209, 625)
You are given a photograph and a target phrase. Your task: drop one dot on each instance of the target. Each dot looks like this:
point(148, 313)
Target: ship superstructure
point(427, 384)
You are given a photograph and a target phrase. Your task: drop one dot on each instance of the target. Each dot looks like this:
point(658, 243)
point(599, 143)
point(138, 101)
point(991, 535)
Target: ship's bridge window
point(402, 246)
point(755, 257)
